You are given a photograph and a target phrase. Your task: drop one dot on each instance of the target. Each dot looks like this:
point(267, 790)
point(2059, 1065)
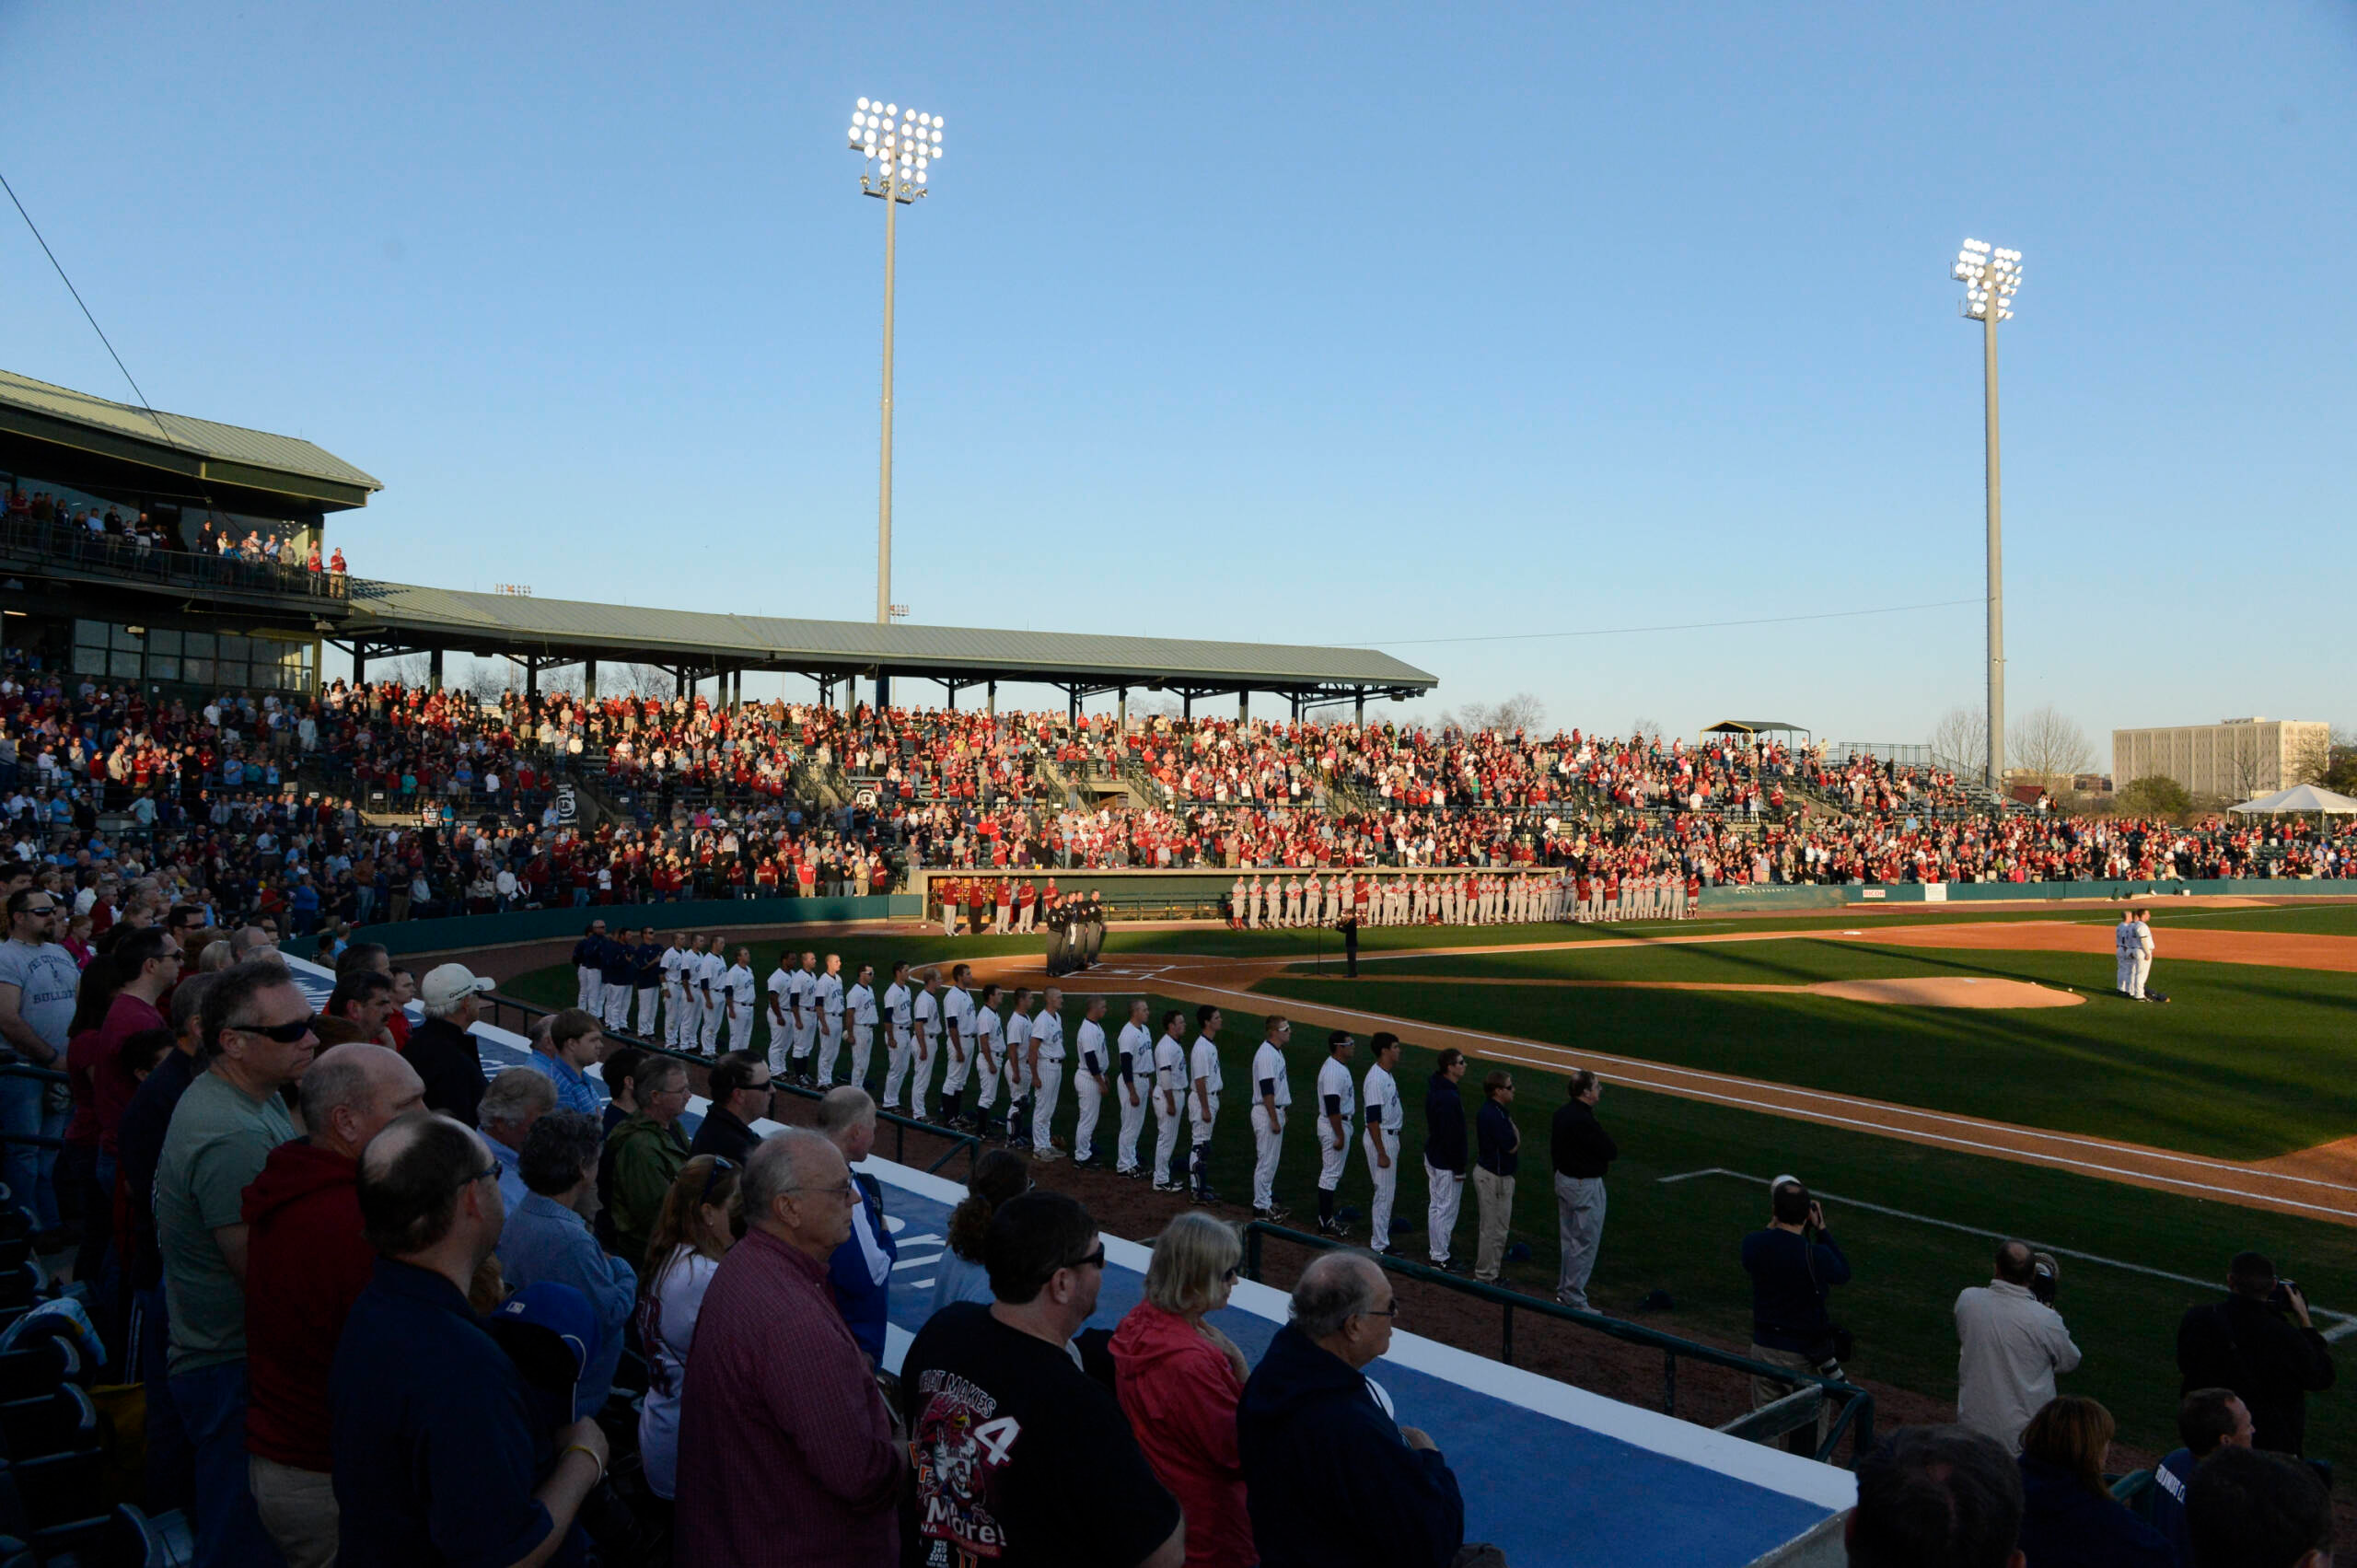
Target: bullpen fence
point(902, 1126)
point(1799, 1407)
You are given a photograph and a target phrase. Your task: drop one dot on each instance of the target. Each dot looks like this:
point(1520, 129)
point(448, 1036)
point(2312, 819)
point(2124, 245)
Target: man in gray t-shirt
point(257, 1039)
point(38, 980)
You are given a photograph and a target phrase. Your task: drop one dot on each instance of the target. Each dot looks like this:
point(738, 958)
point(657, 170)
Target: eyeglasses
point(762, 1087)
point(1093, 1260)
point(846, 1191)
point(492, 1173)
point(285, 1034)
point(1390, 1311)
point(712, 1178)
point(43, 909)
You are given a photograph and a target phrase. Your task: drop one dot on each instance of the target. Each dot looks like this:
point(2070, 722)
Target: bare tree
point(1960, 741)
point(2050, 747)
point(1521, 711)
point(2311, 762)
point(409, 669)
point(649, 681)
point(1645, 729)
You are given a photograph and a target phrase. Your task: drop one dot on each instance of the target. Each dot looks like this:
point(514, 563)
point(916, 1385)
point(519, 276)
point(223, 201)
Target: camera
point(2045, 1277)
point(2279, 1297)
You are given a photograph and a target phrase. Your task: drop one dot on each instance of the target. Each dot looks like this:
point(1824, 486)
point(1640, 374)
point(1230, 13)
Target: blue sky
point(1307, 324)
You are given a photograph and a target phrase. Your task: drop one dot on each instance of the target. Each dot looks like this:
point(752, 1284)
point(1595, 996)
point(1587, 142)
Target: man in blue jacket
point(1445, 1157)
point(861, 1269)
point(1329, 1480)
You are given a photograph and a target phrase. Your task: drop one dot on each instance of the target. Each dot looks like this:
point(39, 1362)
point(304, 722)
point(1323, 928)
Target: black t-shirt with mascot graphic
point(1020, 1459)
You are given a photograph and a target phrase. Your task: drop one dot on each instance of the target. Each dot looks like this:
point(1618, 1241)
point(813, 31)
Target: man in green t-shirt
point(257, 1039)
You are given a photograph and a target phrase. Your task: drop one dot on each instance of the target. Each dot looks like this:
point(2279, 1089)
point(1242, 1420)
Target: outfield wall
point(454, 932)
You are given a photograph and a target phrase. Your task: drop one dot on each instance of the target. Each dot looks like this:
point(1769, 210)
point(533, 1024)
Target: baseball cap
point(444, 984)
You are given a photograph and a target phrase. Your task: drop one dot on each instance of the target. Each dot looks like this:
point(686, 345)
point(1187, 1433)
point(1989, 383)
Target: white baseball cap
point(444, 984)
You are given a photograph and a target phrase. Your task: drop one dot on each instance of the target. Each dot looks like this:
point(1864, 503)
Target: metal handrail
point(965, 1142)
point(1857, 1411)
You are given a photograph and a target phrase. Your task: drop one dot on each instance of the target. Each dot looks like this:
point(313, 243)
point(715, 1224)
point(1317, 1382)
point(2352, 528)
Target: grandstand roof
point(218, 456)
point(406, 614)
point(1756, 727)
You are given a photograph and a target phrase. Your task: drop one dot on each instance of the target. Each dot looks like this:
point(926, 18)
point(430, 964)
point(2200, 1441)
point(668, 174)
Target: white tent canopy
point(2299, 797)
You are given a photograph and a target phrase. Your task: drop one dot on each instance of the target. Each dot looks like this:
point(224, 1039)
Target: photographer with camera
point(1793, 1264)
point(2013, 1344)
point(2259, 1343)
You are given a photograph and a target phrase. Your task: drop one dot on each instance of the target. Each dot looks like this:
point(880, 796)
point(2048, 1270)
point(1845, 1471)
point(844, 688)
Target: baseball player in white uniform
point(1271, 1093)
point(1202, 1099)
point(1047, 1071)
point(1337, 1100)
point(859, 1006)
point(1093, 1083)
point(983, 1031)
point(711, 968)
point(1385, 1117)
point(1169, 1098)
point(675, 995)
point(2142, 955)
point(830, 986)
point(2124, 947)
point(925, 1038)
point(802, 1002)
point(781, 983)
point(737, 991)
point(1019, 1026)
point(1132, 1087)
point(956, 1041)
point(899, 1048)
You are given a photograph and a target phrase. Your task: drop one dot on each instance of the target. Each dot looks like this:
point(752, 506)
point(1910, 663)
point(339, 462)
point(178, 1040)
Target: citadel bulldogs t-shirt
point(1020, 1459)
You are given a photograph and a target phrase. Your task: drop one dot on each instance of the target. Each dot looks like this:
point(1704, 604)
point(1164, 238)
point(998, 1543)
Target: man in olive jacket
point(643, 1156)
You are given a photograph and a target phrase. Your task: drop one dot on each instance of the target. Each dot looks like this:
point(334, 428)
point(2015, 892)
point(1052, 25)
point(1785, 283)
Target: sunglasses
point(39, 909)
point(285, 1034)
point(491, 1172)
point(1093, 1260)
point(712, 1178)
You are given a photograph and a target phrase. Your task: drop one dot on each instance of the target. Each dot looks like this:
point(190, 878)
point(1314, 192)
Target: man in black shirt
point(1445, 1157)
point(2258, 1343)
point(739, 1092)
point(1022, 1459)
point(1793, 1264)
point(1582, 1153)
point(442, 1048)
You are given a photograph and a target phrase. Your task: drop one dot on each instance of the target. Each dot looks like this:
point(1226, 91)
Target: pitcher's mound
point(1948, 992)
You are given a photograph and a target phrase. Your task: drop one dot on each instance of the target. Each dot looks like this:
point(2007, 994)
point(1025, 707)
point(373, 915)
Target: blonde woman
point(1179, 1378)
point(691, 1235)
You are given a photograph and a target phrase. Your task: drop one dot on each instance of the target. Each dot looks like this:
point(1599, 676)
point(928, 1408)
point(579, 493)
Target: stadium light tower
point(899, 147)
point(1989, 277)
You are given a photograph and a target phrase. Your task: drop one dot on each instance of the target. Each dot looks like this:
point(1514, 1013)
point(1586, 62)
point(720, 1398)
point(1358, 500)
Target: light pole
point(898, 147)
point(1989, 277)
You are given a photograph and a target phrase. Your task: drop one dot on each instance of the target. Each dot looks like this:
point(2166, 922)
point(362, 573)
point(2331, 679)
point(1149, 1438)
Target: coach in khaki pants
point(1498, 1143)
point(1582, 1153)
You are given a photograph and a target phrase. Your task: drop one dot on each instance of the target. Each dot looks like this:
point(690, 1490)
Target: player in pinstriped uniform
point(1385, 1117)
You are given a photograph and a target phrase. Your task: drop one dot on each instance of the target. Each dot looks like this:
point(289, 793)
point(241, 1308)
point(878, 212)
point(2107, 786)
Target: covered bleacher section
point(389, 619)
point(144, 598)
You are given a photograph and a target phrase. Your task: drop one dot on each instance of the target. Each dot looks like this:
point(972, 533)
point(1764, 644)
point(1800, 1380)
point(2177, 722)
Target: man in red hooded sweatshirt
point(305, 1264)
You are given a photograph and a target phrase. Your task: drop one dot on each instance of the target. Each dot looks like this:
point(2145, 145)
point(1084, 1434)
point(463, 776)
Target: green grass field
point(2245, 1062)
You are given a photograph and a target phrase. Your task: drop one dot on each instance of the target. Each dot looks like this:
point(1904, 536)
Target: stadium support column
point(1243, 706)
point(1121, 710)
point(990, 699)
point(434, 670)
point(1359, 713)
point(588, 681)
point(1996, 566)
point(359, 662)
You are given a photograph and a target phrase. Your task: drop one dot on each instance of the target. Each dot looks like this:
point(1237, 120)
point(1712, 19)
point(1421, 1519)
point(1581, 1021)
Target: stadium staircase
point(58, 1458)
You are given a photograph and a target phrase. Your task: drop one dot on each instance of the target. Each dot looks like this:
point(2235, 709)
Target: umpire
point(1093, 925)
point(1059, 928)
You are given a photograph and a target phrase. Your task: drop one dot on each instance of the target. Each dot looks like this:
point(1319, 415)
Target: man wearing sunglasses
point(38, 980)
point(257, 1039)
point(1020, 1455)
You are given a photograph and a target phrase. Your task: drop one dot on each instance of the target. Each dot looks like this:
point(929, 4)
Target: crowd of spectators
point(145, 534)
point(254, 804)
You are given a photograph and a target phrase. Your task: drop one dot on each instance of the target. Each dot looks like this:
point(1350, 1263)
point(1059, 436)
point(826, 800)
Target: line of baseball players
point(2132, 942)
point(1463, 897)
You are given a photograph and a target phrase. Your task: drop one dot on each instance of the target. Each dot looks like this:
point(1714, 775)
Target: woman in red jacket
point(1179, 1379)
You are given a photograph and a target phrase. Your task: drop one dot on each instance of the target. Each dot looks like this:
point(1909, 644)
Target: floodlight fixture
point(1992, 275)
point(897, 147)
